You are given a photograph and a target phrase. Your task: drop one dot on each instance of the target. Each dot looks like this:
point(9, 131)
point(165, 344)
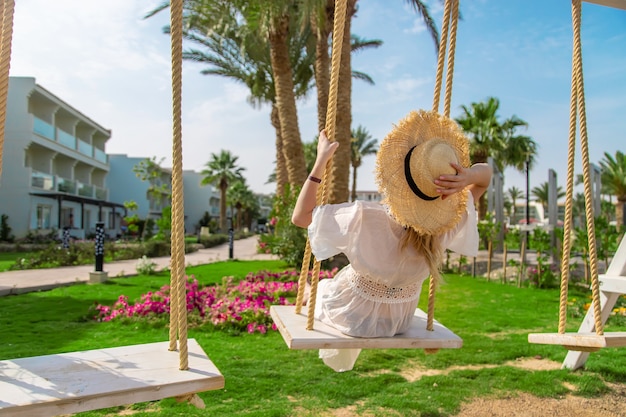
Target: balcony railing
point(101, 193)
point(66, 139)
point(42, 181)
point(66, 186)
point(50, 182)
point(43, 128)
point(85, 148)
point(100, 155)
point(85, 190)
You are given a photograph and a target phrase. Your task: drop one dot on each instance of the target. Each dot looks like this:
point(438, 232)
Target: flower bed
point(241, 306)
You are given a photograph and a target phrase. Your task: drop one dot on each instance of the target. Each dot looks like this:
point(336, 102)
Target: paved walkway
point(19, 282)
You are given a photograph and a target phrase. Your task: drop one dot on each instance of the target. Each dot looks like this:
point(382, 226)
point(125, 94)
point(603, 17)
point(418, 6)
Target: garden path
point(19, 282)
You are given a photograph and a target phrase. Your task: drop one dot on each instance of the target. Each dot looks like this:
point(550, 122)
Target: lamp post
point(527, 200)
point(527, 192)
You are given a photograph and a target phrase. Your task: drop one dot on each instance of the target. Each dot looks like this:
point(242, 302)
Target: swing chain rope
point(322, 194)
point(578, 108)
point(448, 29)
point(7, 8)
point(449, 75)
point(178, 308)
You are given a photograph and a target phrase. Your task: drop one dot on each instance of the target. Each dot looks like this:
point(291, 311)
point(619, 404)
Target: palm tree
point(514, 193)
point(362, 145)
point(613, 176)
point(480, 122)
point(321, 14)
point(241, 198)
point(221, 171)
point(491, 138)
point(232, 47)
point(541, 194)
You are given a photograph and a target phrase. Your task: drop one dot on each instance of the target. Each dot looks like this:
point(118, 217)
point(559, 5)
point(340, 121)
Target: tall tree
point(234, 43)
point(362, 144)
point(480, 122)
point(541, 194)
point(491, 138)
point(159, 192)
point(243, 200)
point(514, 193)
point(221, 171)
point(613, 176)
point(321, 14)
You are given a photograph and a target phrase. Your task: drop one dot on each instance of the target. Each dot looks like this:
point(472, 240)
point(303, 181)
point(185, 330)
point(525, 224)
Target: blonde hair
point(427, 245)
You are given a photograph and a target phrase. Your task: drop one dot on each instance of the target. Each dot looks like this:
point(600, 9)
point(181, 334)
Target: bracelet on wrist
point(315, 179)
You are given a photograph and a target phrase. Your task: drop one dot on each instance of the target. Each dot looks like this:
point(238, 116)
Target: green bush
point(285, 239)
point(213, 240)
point(83, 253)
point(5, 229)
point(156, 248)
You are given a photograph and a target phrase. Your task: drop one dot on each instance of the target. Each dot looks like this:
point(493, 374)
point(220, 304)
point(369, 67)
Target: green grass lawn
point(8, 258)
point(264, 378)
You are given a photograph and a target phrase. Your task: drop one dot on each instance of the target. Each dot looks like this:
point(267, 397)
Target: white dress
point(377, 293)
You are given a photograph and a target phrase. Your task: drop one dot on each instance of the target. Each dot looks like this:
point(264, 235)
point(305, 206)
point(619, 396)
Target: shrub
point(214, 240)
point(284, 239)
point(5, 229)
point(236, 307)
point(145, 266)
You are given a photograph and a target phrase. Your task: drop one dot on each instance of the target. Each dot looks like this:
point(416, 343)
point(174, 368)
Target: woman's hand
point(303, 210)
point(477, 178)
point(325, 149)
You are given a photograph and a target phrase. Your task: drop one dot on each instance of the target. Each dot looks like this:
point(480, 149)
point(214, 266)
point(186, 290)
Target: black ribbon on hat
point(409, 178)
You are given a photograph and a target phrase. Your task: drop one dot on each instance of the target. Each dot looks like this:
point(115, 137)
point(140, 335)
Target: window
point(44, 214)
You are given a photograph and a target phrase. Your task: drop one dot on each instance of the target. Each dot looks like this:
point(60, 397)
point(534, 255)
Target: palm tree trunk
point(223, 227)
point(281, 166)
point(354, 183)
point(322, 62)
point(286, 103)
point(340, 174)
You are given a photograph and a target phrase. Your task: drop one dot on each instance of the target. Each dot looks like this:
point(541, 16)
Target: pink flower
point(244, 305)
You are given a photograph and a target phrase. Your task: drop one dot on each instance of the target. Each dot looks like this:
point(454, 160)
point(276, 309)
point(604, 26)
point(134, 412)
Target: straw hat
point(418, 150)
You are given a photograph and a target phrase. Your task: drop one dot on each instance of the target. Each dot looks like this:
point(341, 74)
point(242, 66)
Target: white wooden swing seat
point(578, 341)
point(73, 382)
point(612, 285)
point(292, 327)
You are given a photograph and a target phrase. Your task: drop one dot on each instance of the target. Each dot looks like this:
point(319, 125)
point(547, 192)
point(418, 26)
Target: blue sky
point(104, 59)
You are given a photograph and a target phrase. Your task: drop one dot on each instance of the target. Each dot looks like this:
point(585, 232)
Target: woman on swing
point(429, 189)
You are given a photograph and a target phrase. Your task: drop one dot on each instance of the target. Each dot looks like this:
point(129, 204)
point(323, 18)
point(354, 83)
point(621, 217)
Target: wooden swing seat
point(73, 382)
point(585, 342)
point(292, 327)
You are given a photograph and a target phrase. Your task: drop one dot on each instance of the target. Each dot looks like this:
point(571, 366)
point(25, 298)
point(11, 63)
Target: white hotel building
point(56, 173)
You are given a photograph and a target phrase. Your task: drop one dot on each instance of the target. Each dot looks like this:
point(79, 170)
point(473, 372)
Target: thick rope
point(321, 196)
point(584, 145)
point(304, 272)
point(449, 75)
point(569, 205)
point(448, 29)
point(578, 108)
point(178, 285)
point(443, 43)
point(7, 8)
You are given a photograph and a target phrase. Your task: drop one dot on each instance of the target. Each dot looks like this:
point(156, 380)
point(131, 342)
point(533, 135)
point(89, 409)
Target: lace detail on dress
point(379, 292)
